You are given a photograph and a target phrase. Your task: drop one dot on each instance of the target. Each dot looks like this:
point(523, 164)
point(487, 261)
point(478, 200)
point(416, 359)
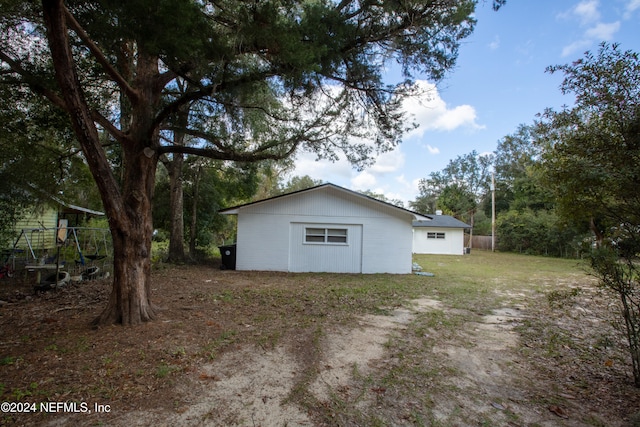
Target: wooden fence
point(479, 242)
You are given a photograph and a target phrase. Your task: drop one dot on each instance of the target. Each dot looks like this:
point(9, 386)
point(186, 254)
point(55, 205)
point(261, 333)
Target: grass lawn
point(504, 339)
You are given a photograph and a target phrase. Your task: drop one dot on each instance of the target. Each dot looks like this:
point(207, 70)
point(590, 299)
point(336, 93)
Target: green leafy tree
point(459, 188)
point(515, 154)
point(214, 185)
point(383, 198)
point(527, 221)
point(456, 200)
point(313, 68)
point(591, 150)
point(270, 177)
point(298, 183)
point(429, 190)
point(37, 160)
point(209, 185)
point(591, 163)
point(537, 232)
point(514, 159)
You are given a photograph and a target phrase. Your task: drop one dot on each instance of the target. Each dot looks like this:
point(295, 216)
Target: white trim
point(439, 235)
point(326, 235)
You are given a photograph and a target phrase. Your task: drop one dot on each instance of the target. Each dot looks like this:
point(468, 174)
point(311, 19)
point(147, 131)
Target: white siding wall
point(262, 242)
point(452, 244)
point(265, 232)
point(44, 222)
point(387, 246)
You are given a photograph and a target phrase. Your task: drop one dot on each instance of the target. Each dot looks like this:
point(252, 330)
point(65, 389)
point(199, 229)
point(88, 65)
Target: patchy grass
point(207, 313)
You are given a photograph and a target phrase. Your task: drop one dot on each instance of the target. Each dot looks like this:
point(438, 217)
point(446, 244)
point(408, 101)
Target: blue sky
point(498, 83)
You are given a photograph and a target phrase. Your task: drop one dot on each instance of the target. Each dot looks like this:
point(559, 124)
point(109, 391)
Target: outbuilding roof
point(235, 209)
point(441, 221)
point(69, 208)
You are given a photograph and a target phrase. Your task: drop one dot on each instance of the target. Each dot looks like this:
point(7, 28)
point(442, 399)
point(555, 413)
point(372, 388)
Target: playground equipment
point(64, 254)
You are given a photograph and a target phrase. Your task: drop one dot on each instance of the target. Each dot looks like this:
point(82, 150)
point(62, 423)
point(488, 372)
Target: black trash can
point(228, 254)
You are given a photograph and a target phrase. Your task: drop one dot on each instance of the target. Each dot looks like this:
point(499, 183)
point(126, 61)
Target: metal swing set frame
point(48, 250)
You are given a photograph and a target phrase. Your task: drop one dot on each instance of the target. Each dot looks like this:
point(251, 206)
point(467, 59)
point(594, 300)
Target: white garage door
point(332, 248)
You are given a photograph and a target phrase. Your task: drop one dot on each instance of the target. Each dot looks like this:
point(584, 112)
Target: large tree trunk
point(193, 235)
point(176, 203)
point(130, 300)
point(128, 206)
point(176, 239)
point(132, 227)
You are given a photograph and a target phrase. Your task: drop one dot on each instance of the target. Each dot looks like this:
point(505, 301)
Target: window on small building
point(326, 235)
point(433, 235)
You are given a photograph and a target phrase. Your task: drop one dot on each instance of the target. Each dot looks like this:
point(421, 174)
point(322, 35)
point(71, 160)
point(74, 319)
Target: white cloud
point(574, 47)
point(433, 150)
point(306, 164)
point(363, 181)
point(588, 14)
point(342, 173)
point(598, 33)
point(388, 162)
point(410, 187)
point(400, 179)
point(587, 11)
point(495, 44)
point(602, 31)
point(462, 115)
point(431, 112)
point(631, 7)
point(401, 189)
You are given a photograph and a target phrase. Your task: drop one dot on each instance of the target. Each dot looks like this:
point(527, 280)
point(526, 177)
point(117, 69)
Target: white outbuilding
point(325, 228)
point(439, 234)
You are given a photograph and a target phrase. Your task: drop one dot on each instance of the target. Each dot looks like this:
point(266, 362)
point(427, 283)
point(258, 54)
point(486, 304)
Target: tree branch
point(228, 154)
point(36, 84)
point(165, 78)
point(97, 53)
point(81, 117)
point(175, 106)
point(109, 127)
point(33, 81)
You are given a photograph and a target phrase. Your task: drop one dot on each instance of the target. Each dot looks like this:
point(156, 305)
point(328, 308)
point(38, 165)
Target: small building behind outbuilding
point(439, 234)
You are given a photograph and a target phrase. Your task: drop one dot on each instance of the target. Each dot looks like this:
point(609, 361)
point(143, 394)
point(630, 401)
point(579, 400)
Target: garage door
point(332, 248)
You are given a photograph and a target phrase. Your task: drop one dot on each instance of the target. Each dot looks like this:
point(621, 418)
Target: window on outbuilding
point(333, 236)
point(433, 235)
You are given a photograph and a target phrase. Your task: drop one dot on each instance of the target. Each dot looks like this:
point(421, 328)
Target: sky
point(499, 82)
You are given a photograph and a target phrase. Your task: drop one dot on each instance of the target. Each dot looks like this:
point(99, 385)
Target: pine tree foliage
point(266, 78)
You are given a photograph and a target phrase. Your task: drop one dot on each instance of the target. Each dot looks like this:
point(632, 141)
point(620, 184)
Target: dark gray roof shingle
point(441, 221)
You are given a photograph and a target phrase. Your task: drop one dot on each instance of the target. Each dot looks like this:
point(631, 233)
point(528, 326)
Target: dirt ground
point(229, 349)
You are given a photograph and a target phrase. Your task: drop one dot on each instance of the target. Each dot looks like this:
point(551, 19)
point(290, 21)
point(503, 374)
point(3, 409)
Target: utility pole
point(493, 212)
